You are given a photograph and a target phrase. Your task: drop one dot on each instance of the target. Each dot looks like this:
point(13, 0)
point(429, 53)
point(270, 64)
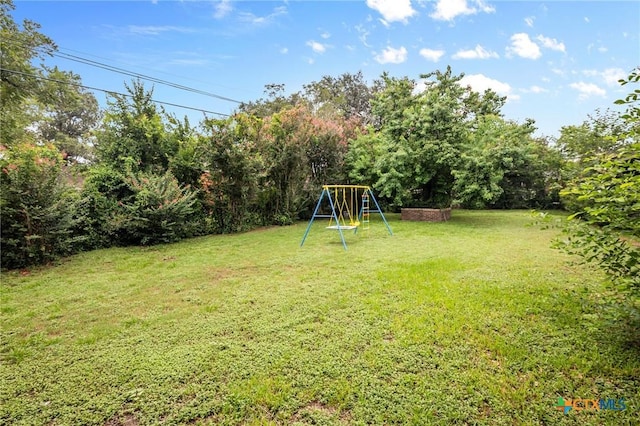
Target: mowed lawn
point(473, 321)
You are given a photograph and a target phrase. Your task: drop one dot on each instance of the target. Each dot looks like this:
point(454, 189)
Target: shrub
point(606, 228)
point(160, 210)
point(96, 206)
point(35, 213)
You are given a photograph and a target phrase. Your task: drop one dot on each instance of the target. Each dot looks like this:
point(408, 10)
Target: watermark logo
point(582, 404)
point(564, 405)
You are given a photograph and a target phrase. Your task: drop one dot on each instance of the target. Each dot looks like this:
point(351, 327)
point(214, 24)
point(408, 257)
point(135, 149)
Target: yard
point(472, 321)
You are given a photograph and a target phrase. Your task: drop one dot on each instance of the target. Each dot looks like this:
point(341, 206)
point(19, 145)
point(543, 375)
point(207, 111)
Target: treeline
point(74, 177)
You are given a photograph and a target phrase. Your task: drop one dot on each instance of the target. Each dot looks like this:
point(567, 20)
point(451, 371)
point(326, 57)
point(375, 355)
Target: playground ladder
point(365, 211)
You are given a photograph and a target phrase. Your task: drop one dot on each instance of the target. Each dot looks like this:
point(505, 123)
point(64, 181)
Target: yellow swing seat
point(354, 226)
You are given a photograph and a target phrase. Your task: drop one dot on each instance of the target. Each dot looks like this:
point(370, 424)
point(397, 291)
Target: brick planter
point(426, 215)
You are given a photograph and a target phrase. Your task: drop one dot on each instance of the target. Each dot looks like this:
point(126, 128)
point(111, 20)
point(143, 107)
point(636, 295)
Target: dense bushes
point(159, 210)
point(35, 209)
point(605, 230)
point(605, 227)
point(42, 217)
point(155, 179)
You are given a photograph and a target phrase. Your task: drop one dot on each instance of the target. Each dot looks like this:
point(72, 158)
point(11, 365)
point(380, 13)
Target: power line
point(109, 92)
point(102, 58)
point(123, 71)
point(112, 68)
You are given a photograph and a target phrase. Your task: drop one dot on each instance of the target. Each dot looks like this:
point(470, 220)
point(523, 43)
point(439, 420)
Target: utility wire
point(109, 92)
point(109, 60)
point(108, 67)
point(115, 69)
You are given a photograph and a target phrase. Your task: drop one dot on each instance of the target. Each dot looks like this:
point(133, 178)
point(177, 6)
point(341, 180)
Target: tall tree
point(502, 165)
point(134, 135)
point(275, 101)
point(347, 96)
point(19, 78)
point(67, 114)
point(599, 134)
point(231, 162)
point(425, 131)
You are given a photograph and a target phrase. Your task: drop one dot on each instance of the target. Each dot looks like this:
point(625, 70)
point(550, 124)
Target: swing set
point(349, 208)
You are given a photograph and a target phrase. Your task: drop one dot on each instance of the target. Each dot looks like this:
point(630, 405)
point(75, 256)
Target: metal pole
point(380, 211)
point(313, 217)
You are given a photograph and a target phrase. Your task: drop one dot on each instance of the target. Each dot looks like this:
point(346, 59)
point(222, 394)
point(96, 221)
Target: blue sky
point(556, 61)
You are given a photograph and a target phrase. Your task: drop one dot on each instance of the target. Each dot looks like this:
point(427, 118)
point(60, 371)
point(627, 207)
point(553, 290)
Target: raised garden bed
point(426, 215)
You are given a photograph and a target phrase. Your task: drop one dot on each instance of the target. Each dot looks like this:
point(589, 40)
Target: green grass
point(473, 321)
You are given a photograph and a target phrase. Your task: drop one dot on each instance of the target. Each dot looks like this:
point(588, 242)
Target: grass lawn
point(473, 321)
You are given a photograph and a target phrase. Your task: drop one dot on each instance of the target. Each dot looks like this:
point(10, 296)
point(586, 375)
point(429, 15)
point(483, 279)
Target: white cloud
point(602, 49)
point(529, 20)
point(587, 20)
point(587, 90)
point(157, 29)
point(484, 7)
point(284, 50)
point(393, 10)
point(609, 76)
point(480, 83)
point(535, 89)
point(188, 62)
point(392, 56)
point(478, 53)
point(222, 9)
point(431, 54)
point(263, 20)
point(362, 35)
point(522, 46)
point(551, 43)
point(448, 10)
point(325, 35)
point(317, 47)
point(613, 75)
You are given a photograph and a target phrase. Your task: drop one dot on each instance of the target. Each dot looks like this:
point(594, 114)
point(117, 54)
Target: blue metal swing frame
point(326, 191)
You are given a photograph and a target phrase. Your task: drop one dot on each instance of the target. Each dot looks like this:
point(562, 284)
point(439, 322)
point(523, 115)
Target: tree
point(185, 164)
point(477, 105)
point(503, 166)
point(385, 147)
point(19, 78)
point(231, 165)
point(602, 133)
point(424, 131)
point(605, 228)
point(67, 114)
point(348, 97)
point(286, 140)
point(275, 102)
point(134, 136)
point(35, 215)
